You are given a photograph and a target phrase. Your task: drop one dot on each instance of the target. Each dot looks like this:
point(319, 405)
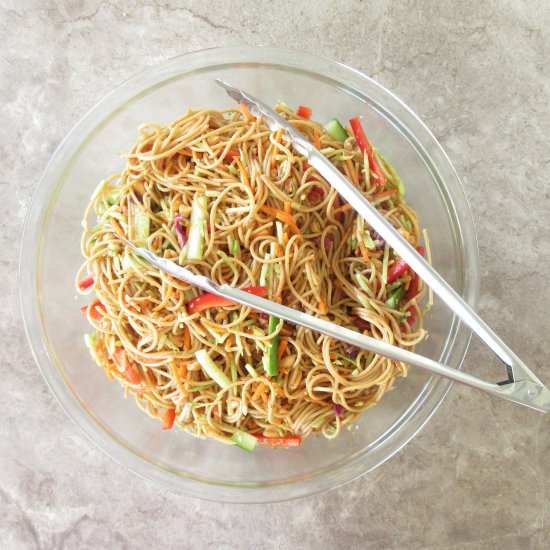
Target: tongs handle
point(523, 392)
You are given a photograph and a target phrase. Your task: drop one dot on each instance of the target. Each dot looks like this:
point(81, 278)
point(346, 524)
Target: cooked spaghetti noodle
point(220, 194)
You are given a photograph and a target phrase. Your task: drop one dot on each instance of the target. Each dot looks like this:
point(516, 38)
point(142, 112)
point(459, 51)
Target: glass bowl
point(51, 256)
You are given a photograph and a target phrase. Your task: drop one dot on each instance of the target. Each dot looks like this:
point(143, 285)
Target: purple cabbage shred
point(182, 235)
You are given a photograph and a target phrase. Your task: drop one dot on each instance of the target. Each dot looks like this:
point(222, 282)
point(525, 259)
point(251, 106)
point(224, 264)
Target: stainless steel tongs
point(522, 386)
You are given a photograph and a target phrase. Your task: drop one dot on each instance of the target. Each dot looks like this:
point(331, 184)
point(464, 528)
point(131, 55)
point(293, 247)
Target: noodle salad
point(220, 194)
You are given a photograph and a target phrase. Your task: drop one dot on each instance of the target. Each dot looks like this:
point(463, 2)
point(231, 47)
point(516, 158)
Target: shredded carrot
point(246, 112)
point(363, 249)
point(179, 374)
point(333, 356)
point(186, 338)
point(384, 195)
point(289, 220)
point(259, 391)
point(283, 344)
point(278, 137)
point(279, 250)
point(316, 138)
point(346, 207)
point(117, 227)
point(322, 306)
point(151, 378)
point(286, 238)
point(244, 175)
point(182, 372)
point(229, 342)
point(261, 233)
point(264, 399)
point(279, 300)
point(288, 207)
point(281, 216)
point(352, 172)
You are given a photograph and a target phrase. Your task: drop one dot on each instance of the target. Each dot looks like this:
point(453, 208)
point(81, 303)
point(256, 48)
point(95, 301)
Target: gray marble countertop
point(478, 475)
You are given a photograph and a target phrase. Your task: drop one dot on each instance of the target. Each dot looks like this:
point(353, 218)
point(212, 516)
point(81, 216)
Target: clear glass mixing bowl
point(51, 256)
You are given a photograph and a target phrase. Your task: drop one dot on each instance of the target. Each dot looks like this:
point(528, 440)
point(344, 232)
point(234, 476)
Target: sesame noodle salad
point(220, 194)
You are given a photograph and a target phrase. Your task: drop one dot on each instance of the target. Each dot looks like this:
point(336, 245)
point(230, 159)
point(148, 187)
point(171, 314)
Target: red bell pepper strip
point(122, 364)
point(397, 269)
point(132, 375)
point(86, 283)
point(413, 288)
point(287, 441)
point(304, 112)
point(400, 266)
point(410, 319)
point(168, 419)
point(364, 145)
point(119, 358)
point(95, 313)
point(208, 300)
point(413, 291)
point(232, 154)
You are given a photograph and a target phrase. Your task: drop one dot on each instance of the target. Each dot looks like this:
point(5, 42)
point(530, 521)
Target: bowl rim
point(36, 218)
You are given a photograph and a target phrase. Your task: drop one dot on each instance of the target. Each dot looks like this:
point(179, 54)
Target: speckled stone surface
point(478, 475)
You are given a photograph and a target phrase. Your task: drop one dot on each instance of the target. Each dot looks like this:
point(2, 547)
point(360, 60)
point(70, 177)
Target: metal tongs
point(521, 386)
